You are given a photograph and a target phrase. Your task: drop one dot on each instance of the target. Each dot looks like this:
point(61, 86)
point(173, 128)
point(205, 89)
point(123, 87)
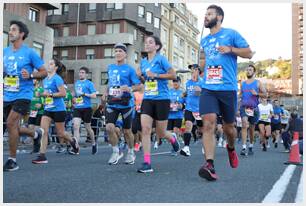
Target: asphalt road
point(88, 178)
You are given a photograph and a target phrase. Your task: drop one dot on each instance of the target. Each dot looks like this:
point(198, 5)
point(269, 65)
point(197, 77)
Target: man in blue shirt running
point(219, 86)
point(19, 62)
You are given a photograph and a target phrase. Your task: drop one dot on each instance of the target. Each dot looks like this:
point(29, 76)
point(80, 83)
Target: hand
point(254, 92)
point(25, 74)
point(37, 105)
point(125, 88)
point(46, 94)
point(224, 49)
point(151, 74)
point(138, 72)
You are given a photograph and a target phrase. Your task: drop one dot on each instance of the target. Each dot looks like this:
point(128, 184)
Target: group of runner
point(142, 97)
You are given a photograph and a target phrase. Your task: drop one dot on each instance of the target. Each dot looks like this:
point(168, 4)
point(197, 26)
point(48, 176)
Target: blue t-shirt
point(13, 62)
point(247, 98)
point(278, 111)
point(220, 71)
point(157, 89)
point(119, 75)
point(54, 104)
point(176, 96)
point(81, 87)
point(192, 101)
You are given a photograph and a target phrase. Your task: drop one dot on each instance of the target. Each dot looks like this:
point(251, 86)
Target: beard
point(250, 76)
point(212, 23)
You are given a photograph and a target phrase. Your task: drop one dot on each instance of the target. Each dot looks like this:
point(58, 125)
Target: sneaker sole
point(40, 162)
point(206, 174)
point(11, 170)
point(145, 171)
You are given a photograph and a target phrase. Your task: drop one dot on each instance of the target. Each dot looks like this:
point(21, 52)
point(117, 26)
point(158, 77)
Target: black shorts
point(35, 120)
point(21, 106)
point(111, 116)
point(136, 125)
point(56, 116)
point(219, 119)
point(84, 113)
point(188, 116)
point(264, 123)
point(276, 126)
point(174, 123)
point(284, 126)
point(223, 103)
point(157, 109)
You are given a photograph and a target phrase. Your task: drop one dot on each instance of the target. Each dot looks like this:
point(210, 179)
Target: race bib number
point(79, 100)
point(33, 113)
point(151, 87)
point(249, 111)
point(214, 75)
point(11, 83)
point(173, 106)
point(264, 116)
point(115, 91)
point(49, 102)
point(196, 115)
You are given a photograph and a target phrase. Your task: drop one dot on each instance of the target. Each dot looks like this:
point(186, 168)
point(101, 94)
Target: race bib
point(264, 116)
point(151, 87)
point(11, 83)
point(249, 111)
point(115, 91)
point(276, 117)
point(49, 102)
point(214, 75)
point(33, 113)
point(196, 115)
point(79, 100)
point(173, 106)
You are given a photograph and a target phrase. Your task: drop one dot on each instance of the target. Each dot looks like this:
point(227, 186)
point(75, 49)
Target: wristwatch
point(31, 76)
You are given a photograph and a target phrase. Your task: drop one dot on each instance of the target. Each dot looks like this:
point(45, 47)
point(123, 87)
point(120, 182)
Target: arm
point(61, 92)
point(170, 75)
point(262, 90)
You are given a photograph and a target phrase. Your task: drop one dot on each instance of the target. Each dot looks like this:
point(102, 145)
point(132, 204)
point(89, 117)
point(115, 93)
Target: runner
point(120, 101)
point(136, 125)
point(219, 88)
point(251, 90)
point(84, 91)
point(54, 93)
point(155, 70)
point(19, 62)
point(276, 122)
point(264, 123)
point(193, 91)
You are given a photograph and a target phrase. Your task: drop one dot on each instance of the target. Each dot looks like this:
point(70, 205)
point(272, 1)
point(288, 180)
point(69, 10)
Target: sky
point(267, 27)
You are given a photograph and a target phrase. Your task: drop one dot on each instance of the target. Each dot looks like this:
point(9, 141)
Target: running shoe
point(145, 168)
point(41, 159)
point(130, 158)
point(115, 157)
point(176, 144)
point(219, 144)
point(243, 152)
point(185, 151)
point(155, 145)
point(75, 148)
point(94, 148)
point(10, 166)
point(232, 157)
point(207, 171)
point(36, 145)
point(250, 152)
point(264, 148)
point(275, 145)
point(60, 149)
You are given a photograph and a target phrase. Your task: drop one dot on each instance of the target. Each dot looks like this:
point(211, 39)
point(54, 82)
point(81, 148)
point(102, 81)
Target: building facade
point(179, 35)
point(297, 48)
point(85, 34)
point(34, 16)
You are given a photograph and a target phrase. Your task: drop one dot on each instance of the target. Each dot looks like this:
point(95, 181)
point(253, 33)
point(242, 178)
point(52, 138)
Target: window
point(56, 34)
point(38, 48)
point(165, 13)
point(104, 78)
point(164, 35)
point(176, 41)
point(135, 34)
point(91, 29)
point(112, 28)
point(64, 54)
point(156, 4)
point(5, 40)
point(136, 55)
point(141, 11)
point(92, 7)
point(34, 14)
point(90, 54)
point(182, 44)
point(193, 55)
point(175, 59)
point(66, 31)
point(89, 76)
point(109, 53)
point(118, 6)
point(65, 8)
point(149, 17)
point(70, 77)
point(50, 12)
point(188, 51)
point(55, 54)
point(156, 22)
point(194, 36)
point(180, 63)
point(177, 19)
point(110, 6)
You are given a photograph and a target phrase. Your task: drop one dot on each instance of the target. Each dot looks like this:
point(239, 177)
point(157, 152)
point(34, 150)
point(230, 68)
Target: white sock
point(35, 135)
point(116, 149)
point(251, 145)
point(131, 150)
point(11, 158)
point(244, 146)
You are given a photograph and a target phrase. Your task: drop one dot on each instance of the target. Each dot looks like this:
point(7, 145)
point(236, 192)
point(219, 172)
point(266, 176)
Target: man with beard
point(251, 90)
point(219, 86)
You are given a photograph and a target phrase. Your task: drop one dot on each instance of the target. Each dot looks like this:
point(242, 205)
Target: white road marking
point(279, 188)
